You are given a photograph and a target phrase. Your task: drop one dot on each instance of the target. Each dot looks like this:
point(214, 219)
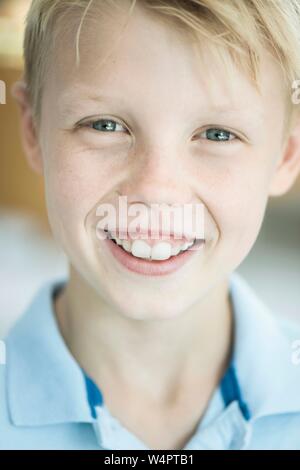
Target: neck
point(156, 357)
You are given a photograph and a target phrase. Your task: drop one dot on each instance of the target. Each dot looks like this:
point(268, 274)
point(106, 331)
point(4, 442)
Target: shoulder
point(276, 432)
point(291, 332)
point(267, 361)
point(252, 312)
point(42, 392)
point(55, 436)
point(290, 328)
point(281, 430)
point(7, 440)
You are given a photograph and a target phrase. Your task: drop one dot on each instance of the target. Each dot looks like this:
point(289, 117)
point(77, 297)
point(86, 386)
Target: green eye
point(105, 125)
point(218, 135)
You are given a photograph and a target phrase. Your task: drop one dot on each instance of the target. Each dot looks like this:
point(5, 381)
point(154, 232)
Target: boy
point(153, 341)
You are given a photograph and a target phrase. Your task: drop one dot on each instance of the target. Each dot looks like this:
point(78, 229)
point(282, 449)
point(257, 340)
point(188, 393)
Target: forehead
point(149, 62)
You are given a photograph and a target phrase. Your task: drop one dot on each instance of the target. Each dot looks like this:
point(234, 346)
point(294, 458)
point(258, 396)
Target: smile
point(152, 257)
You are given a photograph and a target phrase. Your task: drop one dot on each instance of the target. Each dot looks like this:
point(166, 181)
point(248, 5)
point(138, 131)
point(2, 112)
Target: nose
point(157, 176)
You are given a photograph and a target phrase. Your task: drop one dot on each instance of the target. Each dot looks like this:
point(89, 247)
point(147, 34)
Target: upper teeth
point(160, 251)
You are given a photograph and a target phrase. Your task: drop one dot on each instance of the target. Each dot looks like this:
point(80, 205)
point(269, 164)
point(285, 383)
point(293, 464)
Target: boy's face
point(163, 100)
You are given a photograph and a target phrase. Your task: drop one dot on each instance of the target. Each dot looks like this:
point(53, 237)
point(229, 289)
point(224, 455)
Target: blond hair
point(242, 27)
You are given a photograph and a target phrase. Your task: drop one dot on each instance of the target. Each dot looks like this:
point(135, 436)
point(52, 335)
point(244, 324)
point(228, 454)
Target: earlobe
point(288, 167)
point(28, 131)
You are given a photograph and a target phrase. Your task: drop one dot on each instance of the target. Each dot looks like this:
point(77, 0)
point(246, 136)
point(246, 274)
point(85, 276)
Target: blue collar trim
point(231, 391)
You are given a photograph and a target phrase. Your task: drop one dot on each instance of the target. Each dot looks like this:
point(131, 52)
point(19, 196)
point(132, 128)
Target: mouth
point(154, 259)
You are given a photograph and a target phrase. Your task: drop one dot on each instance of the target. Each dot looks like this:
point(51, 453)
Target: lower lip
point(151, 268)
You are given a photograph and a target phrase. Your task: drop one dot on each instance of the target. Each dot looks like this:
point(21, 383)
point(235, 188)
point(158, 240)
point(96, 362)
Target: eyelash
point(233, 137)
point(89, 124)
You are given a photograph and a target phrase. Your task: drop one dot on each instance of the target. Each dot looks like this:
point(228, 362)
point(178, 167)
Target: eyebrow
point(221, 110)
point(69, 104)
point(253, 114)
point(69, 98)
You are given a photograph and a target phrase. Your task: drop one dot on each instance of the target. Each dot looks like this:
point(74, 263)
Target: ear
point(288, 168)
point(28, 131)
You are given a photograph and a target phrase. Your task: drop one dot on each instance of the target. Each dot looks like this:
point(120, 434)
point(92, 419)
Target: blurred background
point(28, 254)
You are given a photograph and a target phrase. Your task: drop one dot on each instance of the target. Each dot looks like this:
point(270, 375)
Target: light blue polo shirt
point(47, 402)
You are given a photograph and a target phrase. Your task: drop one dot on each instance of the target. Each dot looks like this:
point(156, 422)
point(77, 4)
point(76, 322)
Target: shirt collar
point(229, 431)
point(46, 385)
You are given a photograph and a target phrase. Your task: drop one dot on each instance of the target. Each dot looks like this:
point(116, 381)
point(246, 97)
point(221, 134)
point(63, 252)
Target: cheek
point(68, 195)
point(75, 182)
point(245, 213)
point(238, 205)
point(73, 190)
